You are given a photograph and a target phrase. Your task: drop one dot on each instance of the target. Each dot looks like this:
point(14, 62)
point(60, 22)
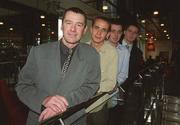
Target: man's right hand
point(46, 113)
point(57, 103)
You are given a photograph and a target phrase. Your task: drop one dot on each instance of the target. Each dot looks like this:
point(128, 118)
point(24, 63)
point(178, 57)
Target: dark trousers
point(98, 118)
point(132, 112)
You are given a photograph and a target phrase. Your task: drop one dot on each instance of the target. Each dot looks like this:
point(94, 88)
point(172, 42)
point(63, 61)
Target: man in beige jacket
point(108, 63)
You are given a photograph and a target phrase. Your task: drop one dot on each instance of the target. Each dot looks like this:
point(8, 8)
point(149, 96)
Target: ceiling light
point(140, 36)
point(43, 24)
point(52, 32)
point(155, 12)
point(165, 31)
point(168, 38)
point(42, 16)
point(155, 39)
point(167, 34)
point(38, 34)
point(162, 24)
point(105, 7)
point(143, 21)
point(11, 29)
point(147, 34)
point(1, 23)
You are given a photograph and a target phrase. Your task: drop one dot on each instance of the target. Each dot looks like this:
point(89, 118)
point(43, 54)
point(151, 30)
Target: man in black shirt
point(60, 74)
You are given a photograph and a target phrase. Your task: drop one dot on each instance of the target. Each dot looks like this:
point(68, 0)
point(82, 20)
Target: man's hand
point(57, 103)
point(46, 113)
point(53, 105)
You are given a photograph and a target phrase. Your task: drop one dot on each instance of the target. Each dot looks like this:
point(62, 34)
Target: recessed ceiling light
point(162, 24)
point(105, 7)
point(156, 12)
point(42, 16)
point(143, 21)
point(11, 29)
point(1, 23)
point(167, 34)
point(165, 31)
point(43, 24)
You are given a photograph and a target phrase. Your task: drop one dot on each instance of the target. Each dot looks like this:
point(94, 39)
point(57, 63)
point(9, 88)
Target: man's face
point(115, 33)
point(131, 33)
point(99, 31)
point(73, 27)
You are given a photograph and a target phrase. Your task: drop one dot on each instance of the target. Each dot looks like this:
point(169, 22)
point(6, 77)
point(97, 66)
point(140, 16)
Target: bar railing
point(70, 111)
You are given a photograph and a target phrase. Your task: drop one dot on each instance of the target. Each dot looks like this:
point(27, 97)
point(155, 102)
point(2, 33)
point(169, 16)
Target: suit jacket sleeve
point(27, 88)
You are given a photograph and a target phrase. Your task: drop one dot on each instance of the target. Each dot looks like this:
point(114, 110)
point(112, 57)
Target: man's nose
point(73, 28)
point(99, 32)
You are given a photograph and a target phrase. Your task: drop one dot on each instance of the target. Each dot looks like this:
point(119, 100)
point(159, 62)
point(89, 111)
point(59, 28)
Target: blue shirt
point(123, 61)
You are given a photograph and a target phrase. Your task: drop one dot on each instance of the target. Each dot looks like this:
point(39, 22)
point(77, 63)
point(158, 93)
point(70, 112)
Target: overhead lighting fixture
point(1, 23)
point(11, 29)
point(143, 21)
point(155, 39)
point(52, 32)
point(167, 34)
point(140, 36)
point(42, 16)
point(162, 24)
point(168, 38)
point(43, 24)
point(38, 34)
point(165, 31)
point(156, 12)
point(105, 6)
point(147, 34)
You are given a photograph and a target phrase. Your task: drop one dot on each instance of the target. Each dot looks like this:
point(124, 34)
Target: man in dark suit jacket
point(132, 93)
point(48, 80)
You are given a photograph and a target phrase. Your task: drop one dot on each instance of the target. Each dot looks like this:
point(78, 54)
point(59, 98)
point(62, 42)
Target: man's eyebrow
point(67, 20)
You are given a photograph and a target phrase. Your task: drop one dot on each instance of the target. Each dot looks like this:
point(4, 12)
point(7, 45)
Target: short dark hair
point(132, 24)
point(101, 18)
point(117, 22)
point(75, 10)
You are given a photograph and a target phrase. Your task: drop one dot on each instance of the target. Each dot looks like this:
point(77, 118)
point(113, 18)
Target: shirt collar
point(64, 49)
point(102, 48)
point(126, 43)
